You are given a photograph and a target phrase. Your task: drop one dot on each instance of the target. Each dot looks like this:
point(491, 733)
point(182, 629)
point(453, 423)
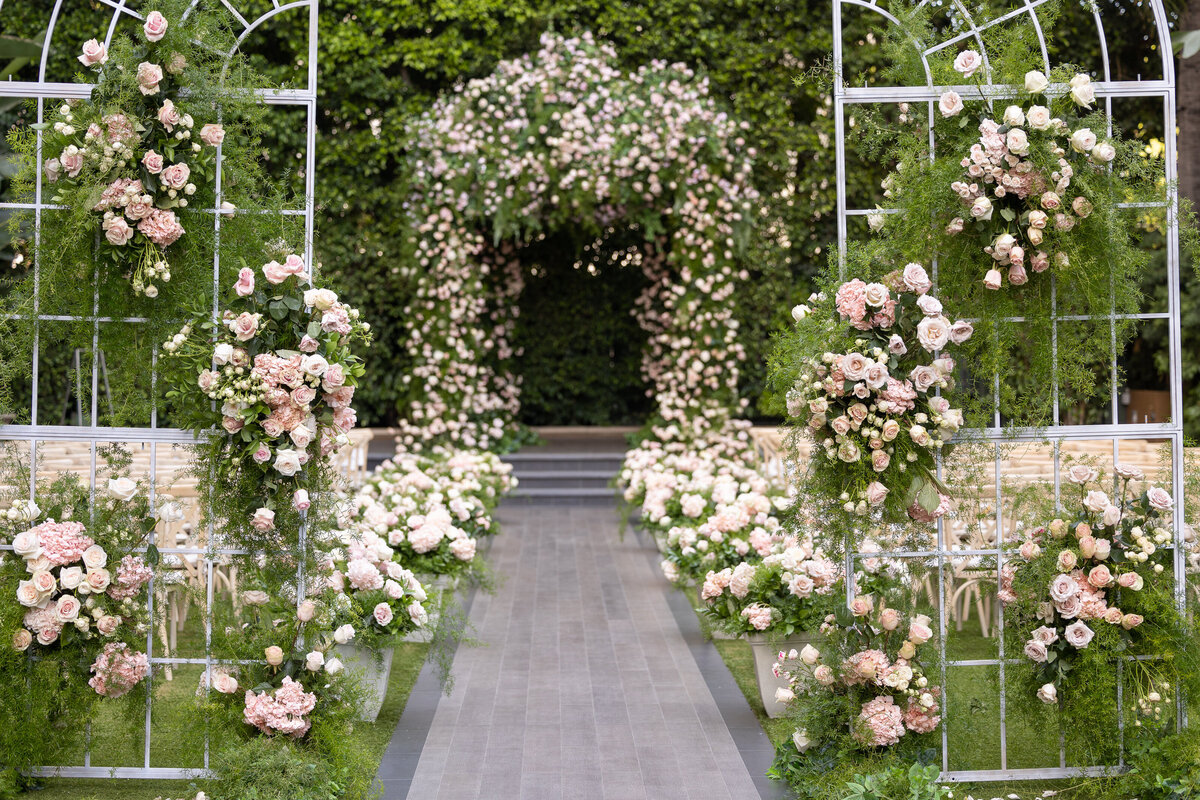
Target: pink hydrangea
point(363, 575)
point(132, 575)
point(282, 713)
point(118, 669)
point(880, 723)
point(161, 227)
point(62, 542)
point(919, 719)
point(865, 666)
point(851, 300)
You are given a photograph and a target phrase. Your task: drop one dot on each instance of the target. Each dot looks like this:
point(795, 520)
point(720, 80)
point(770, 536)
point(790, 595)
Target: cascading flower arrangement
point(864, 373)
point(1096, 585)
point(271, 382)
point(1016, 186)
point(137, 150)
point(863, 686)
point(791, 590)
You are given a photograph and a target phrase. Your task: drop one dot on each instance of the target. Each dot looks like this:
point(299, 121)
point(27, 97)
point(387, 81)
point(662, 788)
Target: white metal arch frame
point(1163, 90)
point(93, 435)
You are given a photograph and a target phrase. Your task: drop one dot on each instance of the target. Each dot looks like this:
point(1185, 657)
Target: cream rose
point(933, 332)
point(148, 77)
point(1038, 118)
point(287, 462)
point(1083, 140)
point(950, 104)
point(1036, 82)
point(968, 62)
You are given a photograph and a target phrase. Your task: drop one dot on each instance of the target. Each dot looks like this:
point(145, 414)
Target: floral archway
point(559, 139)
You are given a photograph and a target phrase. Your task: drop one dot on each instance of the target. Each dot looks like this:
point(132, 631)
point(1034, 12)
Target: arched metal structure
point(303, 96)
point(968, 31)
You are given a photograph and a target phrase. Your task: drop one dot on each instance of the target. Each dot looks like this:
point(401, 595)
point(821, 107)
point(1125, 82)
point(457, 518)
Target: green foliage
point(897, 783)
point(263, 769)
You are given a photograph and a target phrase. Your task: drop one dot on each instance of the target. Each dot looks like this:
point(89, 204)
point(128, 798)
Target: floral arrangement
point(276, 376)
point(868, 686)
point(431, 508)
point(872, 401)
point(118, 669)
point(1016, 182)
point(372, 598)
point(790, 590)
point(1090, 581)
point(138, 148)
point(629, 140)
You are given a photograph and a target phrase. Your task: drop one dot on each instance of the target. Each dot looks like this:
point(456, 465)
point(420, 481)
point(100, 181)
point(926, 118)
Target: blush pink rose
point(153, 162)
point(275, 272)
point(212, 134)
point(383, 614)
point(155, 27)
point(118, 232)
point(148, 77)
point(245, 282)
point(169, 115)
point(176, 176)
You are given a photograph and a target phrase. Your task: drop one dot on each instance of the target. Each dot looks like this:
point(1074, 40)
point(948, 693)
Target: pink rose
point(118, 232)
point(107, 625)
point(263, 519)
point(1029, 550)
point(1113, 616)
point(862, 605)
point(94, 53)
point(232, 424)
point(53, 169)
point(244, 326)
point(992, 280)
point(155, 27)
point(71, 160)
point(309, 344)
point(300, 500)
point(306, 611)
point(1017, 275)
point(1078, 635)
point(383, 614)
point(148, 77)
point(1066, 561)
point(1035, 651)
point(1131, 621)
point(294, 264)
point(176, 176)
point(876, 493)
point(1159, 499)
point(169, 115)
point(880, 460)
point(889, 619)
point(262, 455)
point(245, 282)
point(212, 135)
point(139, 208)
point(1100, 576)
point(968, 62)
point(153, 162)
point(333, 378)
point(303, 395)
point(275, 272)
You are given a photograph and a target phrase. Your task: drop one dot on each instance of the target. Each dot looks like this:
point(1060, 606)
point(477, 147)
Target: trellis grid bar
point(1107, 89)
point(89, 432)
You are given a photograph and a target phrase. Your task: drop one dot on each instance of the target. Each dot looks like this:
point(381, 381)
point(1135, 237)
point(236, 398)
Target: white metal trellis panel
point(42, 90)
point(1107, 88)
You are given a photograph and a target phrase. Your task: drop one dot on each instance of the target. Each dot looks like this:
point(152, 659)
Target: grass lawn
point(176, 742)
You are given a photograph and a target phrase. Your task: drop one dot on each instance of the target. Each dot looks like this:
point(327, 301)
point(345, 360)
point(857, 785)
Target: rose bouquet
point(275, 375)
point(865, 686)
point(872, 400)
point(790, 590)
point(137, 149)
point(1016, 186)
point(1095, 585)
point(745, 527)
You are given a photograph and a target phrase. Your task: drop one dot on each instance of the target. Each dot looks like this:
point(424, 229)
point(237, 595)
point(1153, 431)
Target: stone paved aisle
point(584, 686)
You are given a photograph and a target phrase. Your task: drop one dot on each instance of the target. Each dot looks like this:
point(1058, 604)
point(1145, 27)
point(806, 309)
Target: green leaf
point(929, 498)
point(1008, 214)
point(1186, 43)
point(153, 557)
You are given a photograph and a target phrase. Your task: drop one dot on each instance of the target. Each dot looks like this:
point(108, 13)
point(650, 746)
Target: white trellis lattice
point(88, 432)
point(968, 29)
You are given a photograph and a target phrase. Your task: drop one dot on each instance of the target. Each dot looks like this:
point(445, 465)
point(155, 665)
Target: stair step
point(527, 455)
point(522, 491)
point(564, 474)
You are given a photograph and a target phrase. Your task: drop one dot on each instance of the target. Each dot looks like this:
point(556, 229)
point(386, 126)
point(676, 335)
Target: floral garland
point(565, 137)
point(276, 375)
point(140, 156)
point(872, 671)
point(1090, 581)
point(871, 401)
point(1016, 184)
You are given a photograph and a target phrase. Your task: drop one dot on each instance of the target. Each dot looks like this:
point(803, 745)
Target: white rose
point(342, 635)
point(222, 354)
point(981, 209)
point(801, 740)
point(1048, 694)
point(26, 545)
point(809, 655)
point(314, 661)
point(333, 666)
point(876, 294)
point(287, 462)
point(933, 332)
point(95, 557)
point(314, 365)
point(1082, 90)
point(320, 299)
point(1036, 82)
point(1104, 152)
point(1018, 142)
point(800, 312)
point(122, 488)
point(1039, 118)
point(1083, 140)
point(1014, 117)
point(967, 62)
point(70, 577)
point(950, 104)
